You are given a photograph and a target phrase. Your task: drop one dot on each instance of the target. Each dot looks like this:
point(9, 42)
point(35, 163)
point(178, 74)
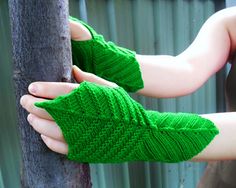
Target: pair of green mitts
point(103, 124)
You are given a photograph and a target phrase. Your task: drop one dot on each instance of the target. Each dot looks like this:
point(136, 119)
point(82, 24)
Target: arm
point(168, 76)
point(161, 76)
point(222, 147)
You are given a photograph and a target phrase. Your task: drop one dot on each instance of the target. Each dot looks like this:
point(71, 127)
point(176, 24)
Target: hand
point(79, 32)
point(40, 120)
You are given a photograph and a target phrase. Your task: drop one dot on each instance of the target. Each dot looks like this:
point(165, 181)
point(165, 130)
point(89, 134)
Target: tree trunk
point(41, 51)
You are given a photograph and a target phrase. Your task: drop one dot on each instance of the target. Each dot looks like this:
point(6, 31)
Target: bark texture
point(41, 51)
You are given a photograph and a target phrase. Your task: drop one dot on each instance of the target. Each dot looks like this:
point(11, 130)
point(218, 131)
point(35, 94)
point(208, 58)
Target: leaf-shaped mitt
point(107, 60)
point(104, 125)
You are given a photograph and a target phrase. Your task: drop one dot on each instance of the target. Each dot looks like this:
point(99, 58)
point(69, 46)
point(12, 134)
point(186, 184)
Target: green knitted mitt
point(104, 125)
point(107, 60)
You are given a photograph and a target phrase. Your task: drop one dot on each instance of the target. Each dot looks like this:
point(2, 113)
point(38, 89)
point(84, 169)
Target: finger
point(79, 32)
point(55, 145)
point(46, 127)
point(27, 102)
point(51, 90)
point(81, 76)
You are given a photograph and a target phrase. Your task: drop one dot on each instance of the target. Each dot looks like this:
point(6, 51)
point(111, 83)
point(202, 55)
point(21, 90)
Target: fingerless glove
point(107, 60)
point(105, 125)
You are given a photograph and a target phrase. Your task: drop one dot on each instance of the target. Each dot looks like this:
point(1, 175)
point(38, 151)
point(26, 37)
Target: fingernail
point(32, 88)
point(22, 101)
point(75, 67)
point(29, 118)
point(43, 137)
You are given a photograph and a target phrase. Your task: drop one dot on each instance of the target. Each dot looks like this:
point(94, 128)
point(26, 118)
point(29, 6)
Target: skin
point(211, 49)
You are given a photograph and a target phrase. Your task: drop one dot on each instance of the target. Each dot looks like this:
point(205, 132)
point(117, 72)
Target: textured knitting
point(105, 125)
point(107, 60)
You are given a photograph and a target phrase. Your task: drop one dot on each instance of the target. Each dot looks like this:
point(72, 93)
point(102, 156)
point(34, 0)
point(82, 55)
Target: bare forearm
point(223, 147)
point(168, 76)
point(171, 76)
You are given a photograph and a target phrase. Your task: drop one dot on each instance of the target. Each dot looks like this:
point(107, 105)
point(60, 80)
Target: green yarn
point(107, 60)
point(105, 125)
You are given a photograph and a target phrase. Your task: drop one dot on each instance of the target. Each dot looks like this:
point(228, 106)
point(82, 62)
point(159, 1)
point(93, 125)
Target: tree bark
point(42, 52)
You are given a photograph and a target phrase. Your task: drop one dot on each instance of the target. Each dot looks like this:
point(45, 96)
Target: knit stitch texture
point(105, 125)
point(107, 60)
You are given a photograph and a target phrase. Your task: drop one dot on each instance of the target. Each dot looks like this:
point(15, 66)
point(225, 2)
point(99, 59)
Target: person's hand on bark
point(40, 120)
point(93, 53)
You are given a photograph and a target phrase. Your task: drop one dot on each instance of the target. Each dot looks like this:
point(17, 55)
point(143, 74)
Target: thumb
point(81, 76)
point(78, 31)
